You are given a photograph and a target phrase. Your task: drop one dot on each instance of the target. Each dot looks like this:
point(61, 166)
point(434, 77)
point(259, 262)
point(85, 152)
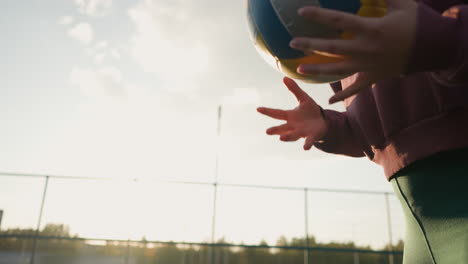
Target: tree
point(55, 230)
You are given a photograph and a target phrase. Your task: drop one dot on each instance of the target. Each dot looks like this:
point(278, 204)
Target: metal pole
point(356, 258)
point(219, 119)
point(390, 232)
point(127, 255)
point(306, 216)
point(1, 216)
point(213, 224)
point(226, 256)
point(215, 191)
point(184, 255)
point(39, 220)
point(200, 256)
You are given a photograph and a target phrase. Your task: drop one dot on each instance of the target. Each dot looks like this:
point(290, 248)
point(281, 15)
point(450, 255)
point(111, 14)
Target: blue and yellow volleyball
point(274, 23)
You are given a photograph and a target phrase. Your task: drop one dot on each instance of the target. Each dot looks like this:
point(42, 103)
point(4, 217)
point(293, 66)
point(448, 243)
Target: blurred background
point(129, 135)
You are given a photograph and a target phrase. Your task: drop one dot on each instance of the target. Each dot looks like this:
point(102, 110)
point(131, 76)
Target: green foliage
point(56, 230)
point(49, 245)
point(143, 252)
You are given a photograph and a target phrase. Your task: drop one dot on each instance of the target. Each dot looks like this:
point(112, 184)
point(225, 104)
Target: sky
point(130, 90)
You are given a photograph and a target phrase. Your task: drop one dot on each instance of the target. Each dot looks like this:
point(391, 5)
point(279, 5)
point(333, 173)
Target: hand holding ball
point(274, 23)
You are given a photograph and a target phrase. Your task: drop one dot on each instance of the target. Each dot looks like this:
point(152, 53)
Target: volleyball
point(274, 23)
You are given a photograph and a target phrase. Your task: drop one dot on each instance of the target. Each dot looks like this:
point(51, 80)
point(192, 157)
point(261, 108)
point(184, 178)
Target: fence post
point(211, 250)
point(39, 220)
point(184, 255)
point(127, 255)
point(1, 216)
point(306, 216)
point(390, 232)
point(356, 258)
point(213, 226)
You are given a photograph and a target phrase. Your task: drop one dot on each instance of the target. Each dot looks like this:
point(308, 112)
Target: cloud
point(104, 82)
point(99, 58)
point(166, 44)
point(194, 47)
point(65, 20)
point(94, 7)
point(102, 51)
point(102, 45)
point(115, 53)
point(82, 32)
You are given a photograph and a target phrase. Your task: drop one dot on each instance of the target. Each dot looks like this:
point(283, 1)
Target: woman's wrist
point(325, 126)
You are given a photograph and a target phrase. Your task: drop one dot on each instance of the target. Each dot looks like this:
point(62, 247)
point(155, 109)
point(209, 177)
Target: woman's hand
point(304, 121)
point(380, 47)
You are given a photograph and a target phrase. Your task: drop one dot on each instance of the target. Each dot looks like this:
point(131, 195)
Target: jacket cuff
point(335, 122)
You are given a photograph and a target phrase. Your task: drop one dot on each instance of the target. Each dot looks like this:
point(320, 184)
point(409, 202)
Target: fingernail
point(294, 44)
point(300, 69)
point(301, 11)
point(304, 10)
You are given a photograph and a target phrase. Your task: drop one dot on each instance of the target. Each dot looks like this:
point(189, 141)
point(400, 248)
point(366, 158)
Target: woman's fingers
point(279, 130)
point(340, 96)
point(347, 67)
point(300, 95)
point(337, 19)
point(309, 142)
point(362, 82)
point(288, 134)
point(273, 113)
point(345, 47)
point(292, 136)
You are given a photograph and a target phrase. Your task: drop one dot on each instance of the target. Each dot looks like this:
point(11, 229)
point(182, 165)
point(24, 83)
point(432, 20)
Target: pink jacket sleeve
point(441, 41)
point(340, 138)
point(440, 47)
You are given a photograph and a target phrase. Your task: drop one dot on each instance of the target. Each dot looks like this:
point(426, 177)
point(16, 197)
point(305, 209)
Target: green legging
point(434, 195)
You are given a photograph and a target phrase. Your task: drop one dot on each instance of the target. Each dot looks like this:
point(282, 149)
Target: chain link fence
point(36, 247)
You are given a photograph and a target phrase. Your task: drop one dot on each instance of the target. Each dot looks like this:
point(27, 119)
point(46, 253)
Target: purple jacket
point(405, 119)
